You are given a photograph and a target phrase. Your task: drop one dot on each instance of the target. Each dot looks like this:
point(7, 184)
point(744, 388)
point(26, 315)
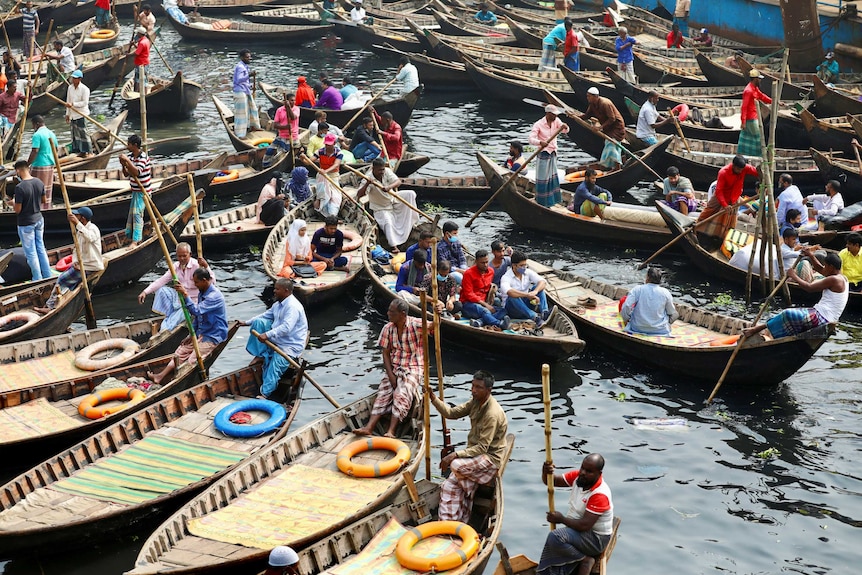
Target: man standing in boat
point(396, 217)
point(680, 15)
point(409, 76)
point(139, 169)
point(649, 120)
point(30, 23)
point(585, 531)
point(750, 135)
point(286, 326)
point(78, 104)
point(403, 360)
point(41, 158)
point(544, 135)
point(478, 463)
point(392, 135)
point(728, 188)
point(245, 115)
point(142, 58)
point(625, 58)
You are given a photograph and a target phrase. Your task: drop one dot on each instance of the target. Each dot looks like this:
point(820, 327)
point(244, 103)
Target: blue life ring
point(277, 415)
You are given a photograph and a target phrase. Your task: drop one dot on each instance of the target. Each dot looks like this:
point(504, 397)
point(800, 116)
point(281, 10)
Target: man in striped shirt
point(139, 169)
point(30, 20)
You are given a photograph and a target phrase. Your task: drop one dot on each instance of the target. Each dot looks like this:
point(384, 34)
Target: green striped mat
point(150, 468)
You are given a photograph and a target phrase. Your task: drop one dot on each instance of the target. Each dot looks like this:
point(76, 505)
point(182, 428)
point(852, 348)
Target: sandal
point(587, 302)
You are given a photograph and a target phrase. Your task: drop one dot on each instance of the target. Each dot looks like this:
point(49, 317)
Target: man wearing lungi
point(728, 188)
point(586, 529)
point(245, 114)
point(41, 157)
point(750, 135)
point(544, 135)
point(139, 169)
point(403, 360)
point(611, 125)
point(395, 218)
point(166, 300)
point(486, 444)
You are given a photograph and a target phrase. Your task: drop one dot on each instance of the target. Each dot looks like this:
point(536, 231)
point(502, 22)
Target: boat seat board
point(40, 370)
point(34, 418)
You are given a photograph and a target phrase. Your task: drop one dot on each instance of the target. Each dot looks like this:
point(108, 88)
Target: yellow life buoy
point(84, 358)
point(88, 406)
point(580, 174)
point(102, 34)
point(28, 317)
point(410, 560)
point(228, 176)
point(352, 241)
point(257, 142)
point(402, 456)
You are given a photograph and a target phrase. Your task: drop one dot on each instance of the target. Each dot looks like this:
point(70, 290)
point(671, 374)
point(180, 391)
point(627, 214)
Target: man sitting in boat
point(727, 191)
point(65, 62)
point(678, 192)
point(835, 291)
point(347, 88)
point(328, 159)
point(396, 217)
point(90, 243)
point(790, 198)
point(285, 326)
point(825, 205)
point(391, 132)
point(501, 259)
point(147, 20)
point(330, 98)
point(365, 145)
point(586, 529)
point(282, 561)
point(408, 74)
point(485, 16)
point(515, 159)
point(649, 119)
point(450, 248)
point(327, 245)
point(590, 197)
point(611, 124)
point(314, 128)
point(649, 308)
point(424, 244)
point(704, 39)
point(357, 13)
point(851, 261)
point(411, 275)
point(828, 70)
point(792, 219)
point(475, 289)
point(790, 250)
point(209, 319)
point(166, 300)
point(478, 463)
point(403, 360)
point(315, 142)
point(522, 292)
point(447, 291)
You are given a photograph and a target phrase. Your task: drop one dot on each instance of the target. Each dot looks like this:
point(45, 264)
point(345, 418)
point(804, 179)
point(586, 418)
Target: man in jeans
point(29, 194)
point(523, 291)
point(475, 286)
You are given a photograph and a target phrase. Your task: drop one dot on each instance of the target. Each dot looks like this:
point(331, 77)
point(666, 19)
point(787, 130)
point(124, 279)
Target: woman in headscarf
point(297, 250)
point(298, 184)
point(304, 93)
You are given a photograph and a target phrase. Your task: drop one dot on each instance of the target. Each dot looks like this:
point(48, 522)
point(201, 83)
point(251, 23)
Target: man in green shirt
point(41, 157)
point(486, 445)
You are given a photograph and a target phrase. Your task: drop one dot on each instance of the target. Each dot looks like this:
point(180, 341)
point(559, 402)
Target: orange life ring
point(88, 409)
point(681, 112)
point(84, 358)
point(410, 560)
point(102, 34)
point(402, 456)
point(258, 142)
point(27, 316)
point(64, 264)
point(352, 241)
point(721, 341)
point(226, 177)
point(580, 175)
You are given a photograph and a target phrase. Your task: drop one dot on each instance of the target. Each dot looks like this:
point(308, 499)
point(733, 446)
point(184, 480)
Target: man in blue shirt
point(347, 88)
point(245, 113)
point(649, 308)
point(424, 244)
point(625, 58)
point(555, 37)
point(590, 197)
point(485, 16)
point(286, 326)
point(209, 317)
point(411, 275)
point(449, 248)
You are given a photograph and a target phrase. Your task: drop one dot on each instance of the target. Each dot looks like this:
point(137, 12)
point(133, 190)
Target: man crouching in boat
point(586, 529)
point(486, 444)
point(794, 320)
point(403, 360)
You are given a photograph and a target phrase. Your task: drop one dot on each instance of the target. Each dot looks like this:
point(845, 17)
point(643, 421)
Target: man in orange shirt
point(142, 57)
point(727, 191)
point(750, 135)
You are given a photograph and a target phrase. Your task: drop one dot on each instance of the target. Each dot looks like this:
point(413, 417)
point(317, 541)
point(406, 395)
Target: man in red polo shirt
point(475, 286)
point(727, 192)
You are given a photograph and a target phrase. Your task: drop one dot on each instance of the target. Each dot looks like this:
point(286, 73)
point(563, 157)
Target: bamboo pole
point(122, 73)
point(438, 352)
point(165, 62)
point(5, 32)
point(193, 195)
point(549, 457)
point(373, 182)
point(679, 131)
point(90, 313)
point(295, 365)
point(380, 138)
point(427, 385)
point(368, 103)
point(142, 93)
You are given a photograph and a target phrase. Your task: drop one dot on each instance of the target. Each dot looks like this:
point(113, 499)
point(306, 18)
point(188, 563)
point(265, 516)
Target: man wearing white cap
point(750, 135)
point(828, 70)
point(357, 13)
point(142, 56)
point(282, 561)
point(544, 135)
point(77, 104)
point(704, 39)
point(612, 125)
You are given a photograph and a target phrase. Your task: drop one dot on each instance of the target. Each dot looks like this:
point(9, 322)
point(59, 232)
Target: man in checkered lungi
point(727, 191)
point(750, 135)
point(486, 444)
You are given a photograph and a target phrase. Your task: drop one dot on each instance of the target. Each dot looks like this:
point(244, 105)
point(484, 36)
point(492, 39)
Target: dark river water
point(762, 481)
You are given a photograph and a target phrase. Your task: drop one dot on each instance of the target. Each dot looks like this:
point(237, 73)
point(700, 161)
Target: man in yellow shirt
point(851, 261)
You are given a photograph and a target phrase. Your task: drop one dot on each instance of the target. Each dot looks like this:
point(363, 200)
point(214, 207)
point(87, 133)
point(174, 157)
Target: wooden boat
point(451, 48)
point(30, 365)
point(459, 27)
point(518, 85)
point(845, 171)
point(286, 473)
point(527, 36)
point(297, 15)
point(456, 188)
point(138, 467)
point(17, 312)
point(60, 11)
point(716, 264)
point(832, 102)
point(855, 123)
point(370, 35)
point(829, 133)
point(401, 108)
point(253, 138)
point(234, 229)
point(5, 260)
point(698, 131)
point(52, 410)
point(330, 284)
point(102, 144)
point(205, 29)
point(103, 38)
point(436, 74)
point(670, 97)
point(10, 138)
point(392, 15)
point(556, 340)
point(176, 98)
point(629, 226)
point(219, 7)
point(123, 264)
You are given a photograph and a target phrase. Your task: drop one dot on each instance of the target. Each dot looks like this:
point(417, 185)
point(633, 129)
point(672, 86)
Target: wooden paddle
point(380, 138)
point(513, 175)
point(295, 365)
point(549, 457)
point(193, 195)
point(679, 131)
point(165, 62)
point(753, 323)
point(423, 302)
point(368, 103)
point(326, 176)
point(3, 24)
point(435, 294)
point(691, 229)
point(90, 313)
point(373, 182)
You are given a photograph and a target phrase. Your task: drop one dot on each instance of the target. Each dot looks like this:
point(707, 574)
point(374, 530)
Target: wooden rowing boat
point(845, 171)
point(330, 284)
point(697, 130)
point(456, 188)
point(253, 138)
point(202, 29)
point(454, 26)
point(370, 35)
point(292, 477)
point(230, 230)
point(83, 31)
point(436, 74)
point(627, 226)
point(833, 102)
point(296, 15)
point(60, 11)
point(51, 411)
point(218, 7)
point(515, 87)
point(829, 134)
point(174, 98)
point(139, 467)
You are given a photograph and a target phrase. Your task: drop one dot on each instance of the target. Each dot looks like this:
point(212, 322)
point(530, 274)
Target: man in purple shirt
point(245, 113)
point(331, 98)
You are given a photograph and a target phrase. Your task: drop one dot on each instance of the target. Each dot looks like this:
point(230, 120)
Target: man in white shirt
point(408, 74)
point(77, 104)
point(789, 198)
point(357, 13)
point(522, 291)
point(394, 217)
point(826, 205)
point(90, 242)
point(649, 119)
point(166, 300)
point(65, 59)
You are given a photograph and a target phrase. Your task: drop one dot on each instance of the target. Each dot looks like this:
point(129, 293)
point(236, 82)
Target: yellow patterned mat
point(683, 335)
point(298, 502)
point(378, 557)
point(39, 371)
point(31, 419)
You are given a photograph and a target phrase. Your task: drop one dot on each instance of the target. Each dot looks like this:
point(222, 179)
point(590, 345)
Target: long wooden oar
point(438, 353)
point(855, 145)
point(90, 313)
point(549, 457)
point(373, 182)
point(368, 103)
point(423, 302)
point(165, 62)
point(114, 137)
point(326, 176)
point(513, 175)
point(753, 323)
point(691, 229)
point(3, 23)
point(142, 94)
point(679, 131)
point(295, 365)
point(193, 195)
